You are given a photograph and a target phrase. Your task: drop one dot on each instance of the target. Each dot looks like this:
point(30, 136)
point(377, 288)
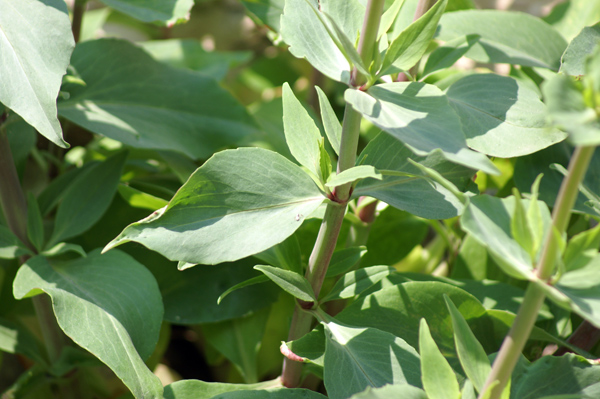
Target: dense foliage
point(400, 197)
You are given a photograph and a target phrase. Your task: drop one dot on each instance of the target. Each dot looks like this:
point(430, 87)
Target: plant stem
point(78, 11)
point(334, 213)
point(534, 296)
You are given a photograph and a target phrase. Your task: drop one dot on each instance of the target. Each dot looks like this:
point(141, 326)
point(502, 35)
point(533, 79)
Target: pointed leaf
point(32, 65)
point(353, 174)
point(582, 248)
point(291, 282)
point(164, 12)
point(471, 354)
point(285, 255)
point(355, 282)
point(344, 260)
point(140, 199)
point(438, 377)
point(87, 198)
point(301, 133)
point(333, 128)
point(254, 280)
point(408, 48)
point(388, 17)
point(240, 202)
point(63, 248)
point(146, 104)
point(500, 116)
point(35, 224)
point(505, 37)
point(404, 111)
point(369, 358)
point(520, 227)
point(196, 389)
point(120, 326)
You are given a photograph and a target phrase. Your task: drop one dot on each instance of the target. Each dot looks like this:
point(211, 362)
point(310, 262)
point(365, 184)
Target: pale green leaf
point(355, 282)
point(500, 116)
point(471, 354)
point(439, 380)
point(108, 304)
point(164, 12)
point(582, 248)
point(403, 391)
point(10, 246)
point(408, 48)
point(140, 199)
point(333, 128)
point(571, 16)
point(32, 65)
point(196, 389)
point(404, 110)
point(87, 198)
point(291, 282)
point(354, 174)
point(520, 227)
point(505, 37)
point(573, 60)
point(63, 248)
point(388, 17)
point(146, 104)
point(348, 16)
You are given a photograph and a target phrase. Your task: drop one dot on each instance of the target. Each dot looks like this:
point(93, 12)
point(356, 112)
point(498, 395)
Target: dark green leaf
point(286, 255)
point(63, 248)
point(165, 12)
point(35, 224)
point(291, 282)
point(355, 282)
point(10, 246)
point(108, 304)
point(251, 199)
point(344, 260)
point(146, 104)
point(33, 64)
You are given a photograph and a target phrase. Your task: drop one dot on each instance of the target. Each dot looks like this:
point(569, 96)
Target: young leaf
point(520, 226)
point(240, 202)
point(333, 129)
point(355, 282)
point(369, 358)
point(164, 12)
point(344, 260)
point(582, 248)
point(286, 255)
point(404, 111)
point(446, 55)
point(63, 248)
point(254, 280)
point(301, 133)
point(505, 37)
point(35, 224)
point(353, 174)
point(408, 48)
point(472, 357)
point(33, 65)
point(438, 377)
point(500, 116)
point(291, 282)
point(119, 325)
point(147, 104)
point(388, 17)
point(87, 198)
point(140, 199)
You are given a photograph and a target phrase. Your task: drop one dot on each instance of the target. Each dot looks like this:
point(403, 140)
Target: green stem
point(334, 213)
point(514, 342)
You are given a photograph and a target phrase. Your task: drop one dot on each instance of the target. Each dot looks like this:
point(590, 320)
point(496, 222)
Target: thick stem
point(78, 11)
point(514, 342)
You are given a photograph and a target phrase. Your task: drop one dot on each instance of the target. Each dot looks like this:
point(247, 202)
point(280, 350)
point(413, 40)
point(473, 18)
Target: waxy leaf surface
point(420, 116)
point(500, 116)
point(32, 64)
point(438, 377)
point(505, 37)
point(108, 304)
point(144, 103)
point(239, 203)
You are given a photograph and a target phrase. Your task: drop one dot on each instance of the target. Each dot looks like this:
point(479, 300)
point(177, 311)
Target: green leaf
point(355, 282)
point(10, 246)
point(301, 133)
point(413, 194)
point(348, 16)
point(488, 220)
point(188, 53)
point(438, 377)
point(239, 341)
point(570, 17)
point(573, 60)
point(280, 393)
point(500, 116)
point(35, 224)
point(55, 191)
point(33, 65)
point(247, 283)
point(291, 282)
point(505, 37)
point(520, 227)
point(304, 31)
point(140, 199)
point(404, 110)
point(447, 54)
point(164, 12)
point(403, 391)
point(582, 248)
point(285, 255)
point(251, 199)
point(471, 354)
point(344, 260)
point(408, 48)
point(146, 104)
point(119, 325)
point(333, 128)
point(388, 17)
point(87, 198)
point(354, 174)
point(63, 248)
point(196, 389)
point(15, 338)
point(369, 358)
point(268, 11)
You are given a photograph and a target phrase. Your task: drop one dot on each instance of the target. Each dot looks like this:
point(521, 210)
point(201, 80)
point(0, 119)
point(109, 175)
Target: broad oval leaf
point(239, 203)
point(108, 304)
point(500, 116)
point(165, 12)
point(32, 64)
point(144, 103)
point(196, 389)
point(420, 116)
point(505, 37)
